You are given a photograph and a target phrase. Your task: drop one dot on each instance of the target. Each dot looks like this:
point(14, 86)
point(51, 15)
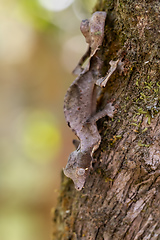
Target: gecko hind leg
point(78, 69)
point(103, 81)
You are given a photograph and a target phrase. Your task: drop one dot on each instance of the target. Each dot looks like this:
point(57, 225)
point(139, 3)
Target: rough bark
point(121, 198)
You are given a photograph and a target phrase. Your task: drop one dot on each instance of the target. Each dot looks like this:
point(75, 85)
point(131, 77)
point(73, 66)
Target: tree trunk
point(121, 197)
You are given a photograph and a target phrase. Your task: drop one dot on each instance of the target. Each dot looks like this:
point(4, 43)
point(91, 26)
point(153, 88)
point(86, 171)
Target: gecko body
point(80, 104)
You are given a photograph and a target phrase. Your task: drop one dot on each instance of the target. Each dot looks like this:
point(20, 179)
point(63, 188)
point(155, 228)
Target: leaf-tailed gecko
point(81, 100)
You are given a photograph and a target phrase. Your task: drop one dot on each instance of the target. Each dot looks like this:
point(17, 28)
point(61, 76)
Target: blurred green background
point(40, 44)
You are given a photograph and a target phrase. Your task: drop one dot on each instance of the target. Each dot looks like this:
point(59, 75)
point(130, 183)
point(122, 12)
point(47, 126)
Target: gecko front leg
point(79, 161)
point(108, 110)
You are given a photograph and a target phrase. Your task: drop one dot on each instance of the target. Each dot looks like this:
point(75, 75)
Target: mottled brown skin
point(93, 31)
point(80, 105)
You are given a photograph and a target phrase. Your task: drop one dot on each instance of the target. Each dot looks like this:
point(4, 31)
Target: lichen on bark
point(122, 194)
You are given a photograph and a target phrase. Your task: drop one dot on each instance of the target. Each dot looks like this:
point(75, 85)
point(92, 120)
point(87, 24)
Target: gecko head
point(81, 175)
point(74, 171)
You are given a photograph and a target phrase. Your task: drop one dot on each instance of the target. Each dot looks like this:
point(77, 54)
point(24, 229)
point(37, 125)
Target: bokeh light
point(55, 5)
point(40, 136)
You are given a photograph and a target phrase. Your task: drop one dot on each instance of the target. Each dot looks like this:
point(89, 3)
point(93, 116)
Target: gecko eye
point(80, 171)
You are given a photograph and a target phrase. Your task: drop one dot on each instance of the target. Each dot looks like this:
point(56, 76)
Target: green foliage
point(39, 17)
